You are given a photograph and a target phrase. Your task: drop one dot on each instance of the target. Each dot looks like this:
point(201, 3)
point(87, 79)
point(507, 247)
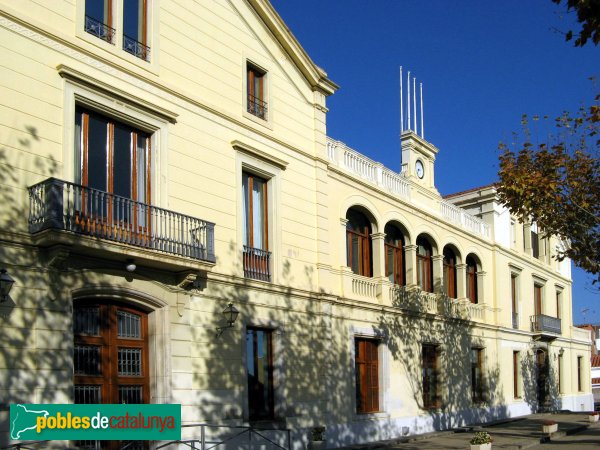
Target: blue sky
point(482, 64)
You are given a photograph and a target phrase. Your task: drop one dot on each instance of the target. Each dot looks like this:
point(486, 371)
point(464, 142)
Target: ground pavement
point(574, 432)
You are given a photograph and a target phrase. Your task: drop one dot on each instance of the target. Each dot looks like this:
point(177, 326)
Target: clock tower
point(418, 159)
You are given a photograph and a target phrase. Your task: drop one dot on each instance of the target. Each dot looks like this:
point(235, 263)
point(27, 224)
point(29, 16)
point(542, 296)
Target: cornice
point(260, 154)
point(315, 76)
point(409, 137)
point(86, 80)
point(149, 84)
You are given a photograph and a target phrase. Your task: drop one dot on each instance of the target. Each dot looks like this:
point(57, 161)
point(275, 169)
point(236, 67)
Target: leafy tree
point(557, 184)
point(588, 14)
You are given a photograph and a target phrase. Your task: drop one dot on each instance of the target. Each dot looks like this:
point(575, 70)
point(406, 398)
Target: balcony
point(396, 184)
point(62, 212)
point(414, 299)
point(99, 29)
point(257, 263)
point(545, 327)
point(136, 48)
point(257, 107)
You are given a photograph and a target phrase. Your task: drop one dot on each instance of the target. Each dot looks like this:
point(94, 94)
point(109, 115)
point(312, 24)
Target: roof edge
point(315, 76)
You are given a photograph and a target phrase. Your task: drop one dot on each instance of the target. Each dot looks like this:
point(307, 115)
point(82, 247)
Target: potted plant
point(549, 426)
point(317, 438)
point(593, 416)
point(481, 441)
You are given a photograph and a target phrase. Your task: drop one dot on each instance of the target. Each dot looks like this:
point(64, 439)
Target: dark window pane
point(133, 20)
point(87, 321)
point(430, 383)
point(259, 366)
point(97, 153)
point(86, 360)
point(122, 161)
point(98, 10)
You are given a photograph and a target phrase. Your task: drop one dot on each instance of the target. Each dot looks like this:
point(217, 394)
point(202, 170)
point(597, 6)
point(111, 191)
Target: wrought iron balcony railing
point(99, 29)
point(257, 107)
point(543, 323)
point(136, 48)
point(62, 205)
point(257, 263)
point(515, 320)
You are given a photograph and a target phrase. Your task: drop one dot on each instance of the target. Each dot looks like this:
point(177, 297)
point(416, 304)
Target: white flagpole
point(408, 99)
point(415, 103)
point(422, 127)
point(401, 112)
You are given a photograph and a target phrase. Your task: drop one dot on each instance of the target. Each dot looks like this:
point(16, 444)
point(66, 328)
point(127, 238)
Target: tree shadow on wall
point(406, 329)
point(36, 337)
point(35, 321)
point(298, 324)
point(540, 382)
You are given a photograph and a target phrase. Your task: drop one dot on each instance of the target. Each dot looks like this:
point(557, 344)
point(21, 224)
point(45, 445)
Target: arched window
point(424, 265)
point(449, 272)
point(110, 353)
point(358, 242)
point(472, 279)
point(394, 255)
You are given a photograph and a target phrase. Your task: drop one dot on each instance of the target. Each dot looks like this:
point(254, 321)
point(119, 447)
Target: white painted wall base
point(381, 429)
point(584, 402)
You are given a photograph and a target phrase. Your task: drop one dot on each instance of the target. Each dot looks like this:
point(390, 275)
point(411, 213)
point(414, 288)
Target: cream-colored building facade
point(153, 179)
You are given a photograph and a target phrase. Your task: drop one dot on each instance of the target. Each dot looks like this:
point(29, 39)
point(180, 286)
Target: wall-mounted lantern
point(130, 266)
point(6, 284)
point(230, 314)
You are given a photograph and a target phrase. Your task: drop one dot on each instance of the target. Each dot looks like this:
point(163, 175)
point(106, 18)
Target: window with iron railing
point(135, 28)
point(99, 29)
point(543, 323)
point(256, 255)
point(131, 32)
point(256, 91)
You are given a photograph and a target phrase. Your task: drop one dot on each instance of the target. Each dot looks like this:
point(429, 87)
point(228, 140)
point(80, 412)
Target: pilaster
point(410, 255)
point(377, 242)
point(438, 270)
point(461, 281)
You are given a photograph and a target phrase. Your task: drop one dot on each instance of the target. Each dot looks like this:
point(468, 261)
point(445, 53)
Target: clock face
point(419, 169)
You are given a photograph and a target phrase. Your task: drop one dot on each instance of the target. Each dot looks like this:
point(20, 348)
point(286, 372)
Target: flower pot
point(316, 445)
point(487, 446)
point(593, 418)
point(550, 428)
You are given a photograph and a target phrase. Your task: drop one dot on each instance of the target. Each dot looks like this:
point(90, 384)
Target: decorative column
point(461, 281)
point(480, 289)
point(377, 243)
point(343, 257)
point(527, 238)
point(438, 273)
point(410, 257)
point(487, 317)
